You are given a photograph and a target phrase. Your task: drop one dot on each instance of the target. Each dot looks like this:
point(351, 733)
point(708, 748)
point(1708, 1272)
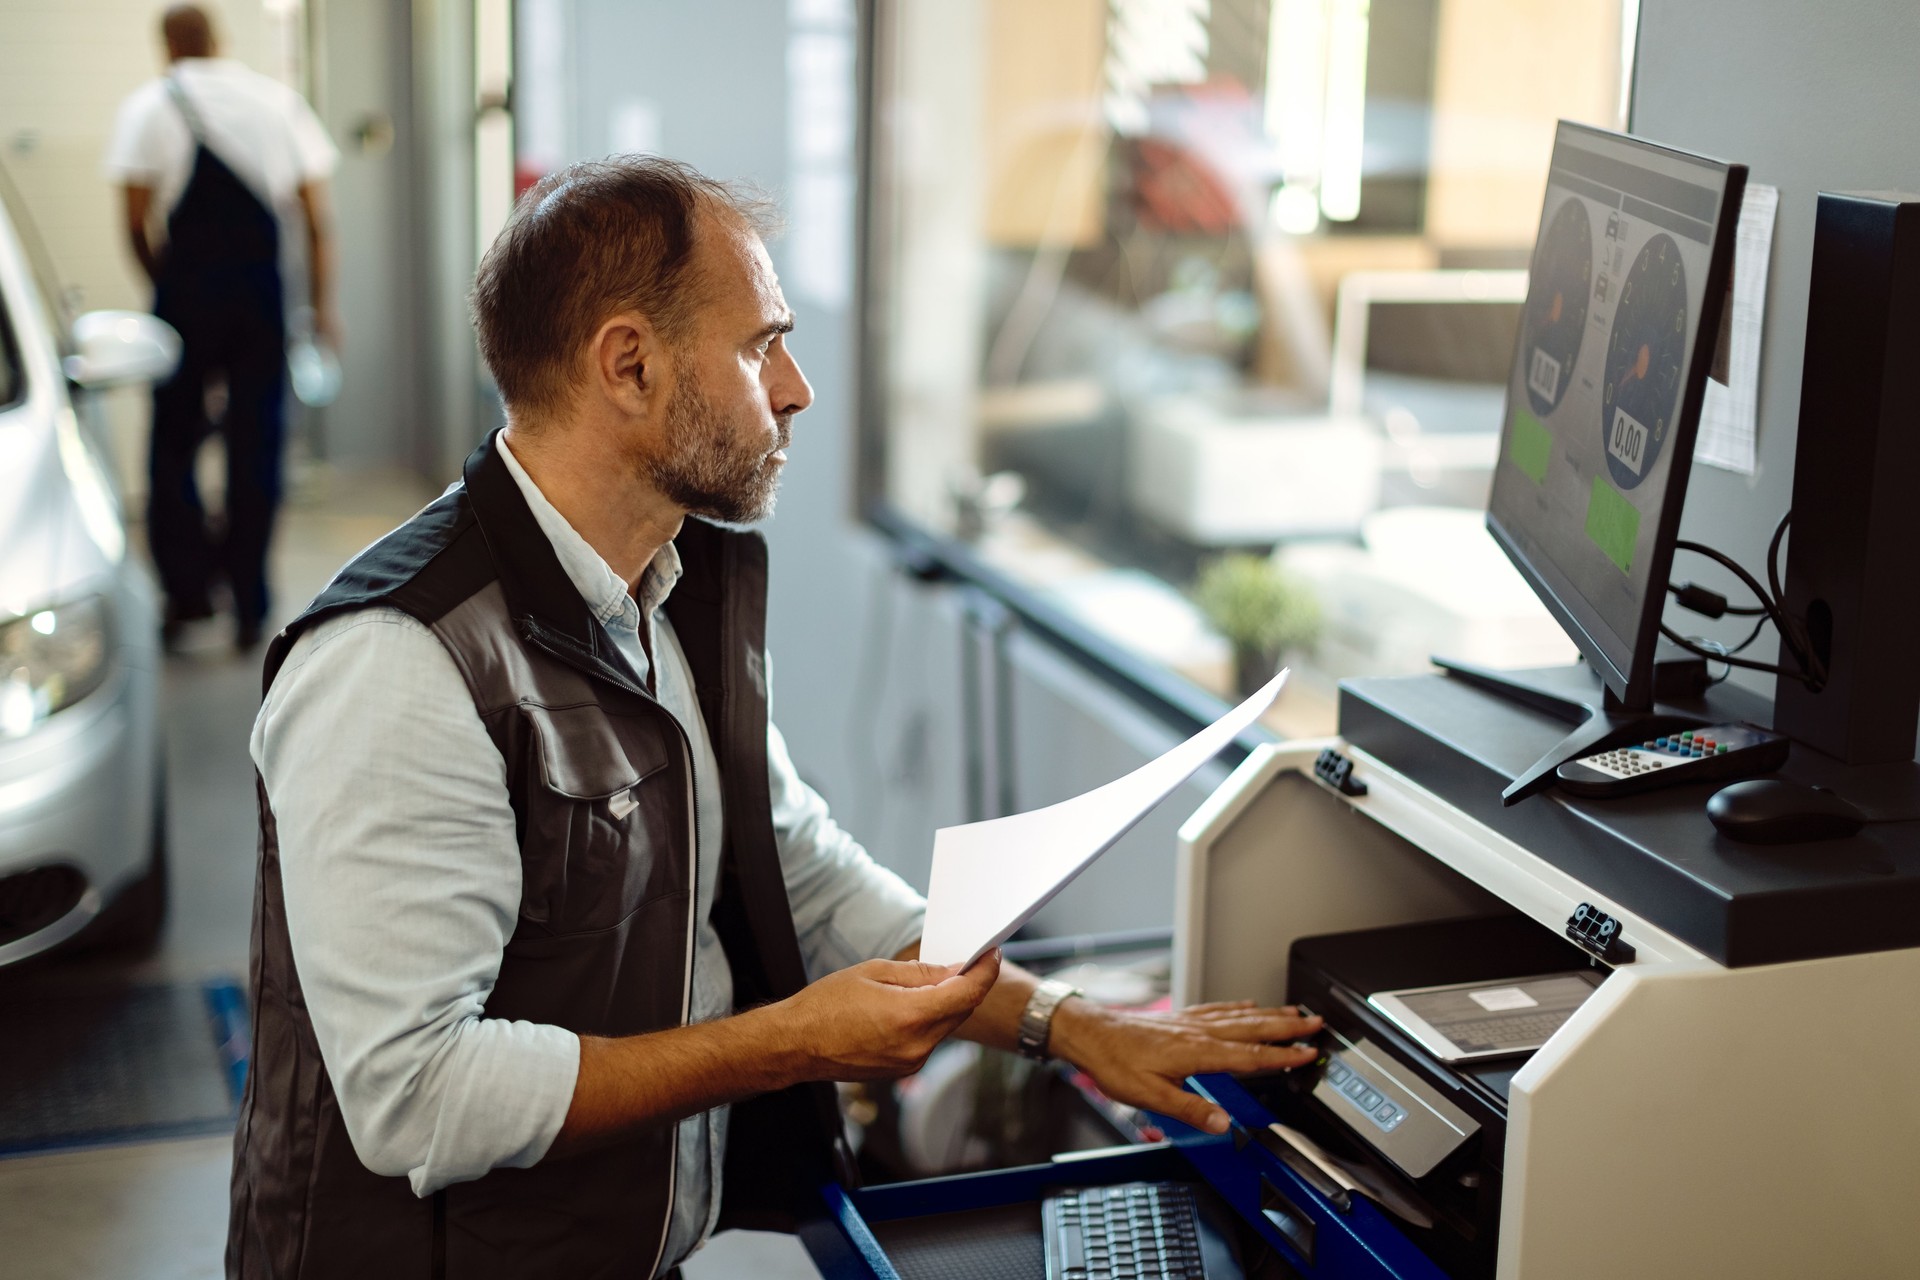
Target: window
point(1155, 281)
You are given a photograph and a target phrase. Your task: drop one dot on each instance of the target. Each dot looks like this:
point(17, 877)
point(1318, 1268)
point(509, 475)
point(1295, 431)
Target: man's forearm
point(636, 1082)
point(144, 254)
point(137, 201)
point(1140, 1059)
point(320, 267)
point(316, 204)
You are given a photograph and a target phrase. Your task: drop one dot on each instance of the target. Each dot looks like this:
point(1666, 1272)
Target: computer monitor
point(1630, 275)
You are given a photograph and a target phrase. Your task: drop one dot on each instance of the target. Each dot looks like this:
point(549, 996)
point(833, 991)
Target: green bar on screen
point(1612, 523)
point(1530, 445)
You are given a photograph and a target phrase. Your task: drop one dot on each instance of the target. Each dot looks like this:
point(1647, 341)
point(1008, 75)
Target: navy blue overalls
point(219, 285)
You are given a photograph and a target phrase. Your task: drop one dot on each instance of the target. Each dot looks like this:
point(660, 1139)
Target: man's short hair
point(587, 242)
point(188, 31)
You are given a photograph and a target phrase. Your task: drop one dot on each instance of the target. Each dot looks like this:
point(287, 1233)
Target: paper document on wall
point(1730, 412)
point(991, 877)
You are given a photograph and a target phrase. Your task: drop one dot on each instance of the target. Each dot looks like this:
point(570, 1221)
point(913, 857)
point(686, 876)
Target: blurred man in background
point(215, 151)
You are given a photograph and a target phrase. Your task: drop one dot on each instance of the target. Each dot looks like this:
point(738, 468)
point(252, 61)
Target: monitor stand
point(1598, 723)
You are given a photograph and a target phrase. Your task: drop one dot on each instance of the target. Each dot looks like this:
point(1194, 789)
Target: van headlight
point(50, 659)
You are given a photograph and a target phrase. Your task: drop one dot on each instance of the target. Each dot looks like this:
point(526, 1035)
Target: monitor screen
point(1623, 306)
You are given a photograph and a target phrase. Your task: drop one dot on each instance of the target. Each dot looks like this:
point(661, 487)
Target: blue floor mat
point(86, 1064)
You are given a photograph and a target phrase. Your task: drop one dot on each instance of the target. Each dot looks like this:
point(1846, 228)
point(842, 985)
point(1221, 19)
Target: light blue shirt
point(401, 872)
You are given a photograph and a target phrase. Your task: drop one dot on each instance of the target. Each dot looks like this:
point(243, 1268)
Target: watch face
point(1640, 398)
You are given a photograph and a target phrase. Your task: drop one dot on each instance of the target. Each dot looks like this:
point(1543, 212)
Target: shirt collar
point(604, 590)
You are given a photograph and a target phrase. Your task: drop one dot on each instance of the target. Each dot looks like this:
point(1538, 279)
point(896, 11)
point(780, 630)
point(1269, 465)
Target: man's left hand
point(1142, 1058)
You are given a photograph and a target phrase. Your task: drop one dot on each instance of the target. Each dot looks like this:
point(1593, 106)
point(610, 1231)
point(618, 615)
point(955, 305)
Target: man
point(554, 952)
point(217, 152)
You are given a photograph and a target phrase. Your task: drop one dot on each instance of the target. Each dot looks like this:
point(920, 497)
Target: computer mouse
point(1775, 811)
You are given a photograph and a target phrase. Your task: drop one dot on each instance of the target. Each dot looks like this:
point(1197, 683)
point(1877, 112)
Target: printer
point(1424, 1136)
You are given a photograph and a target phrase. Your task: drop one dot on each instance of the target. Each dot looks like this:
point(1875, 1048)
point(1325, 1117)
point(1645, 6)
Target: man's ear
point(628, 363)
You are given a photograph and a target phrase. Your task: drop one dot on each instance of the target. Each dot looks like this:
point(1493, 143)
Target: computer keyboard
point(1133, 1231)
point(1525, 1028)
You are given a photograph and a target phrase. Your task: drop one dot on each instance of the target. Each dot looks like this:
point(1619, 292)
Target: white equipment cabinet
point(1695, 1118)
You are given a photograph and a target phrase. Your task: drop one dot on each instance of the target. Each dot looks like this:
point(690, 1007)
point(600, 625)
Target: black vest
point(605, 931)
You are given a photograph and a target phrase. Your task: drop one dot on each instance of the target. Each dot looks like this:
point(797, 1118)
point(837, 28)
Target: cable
point(1802, 637)
point(1720, 649)
point(1773, 556)
point(1793, 635)
point(1709, 603)
point(1752, 583)
point(1731, 660)
point(1752, 635)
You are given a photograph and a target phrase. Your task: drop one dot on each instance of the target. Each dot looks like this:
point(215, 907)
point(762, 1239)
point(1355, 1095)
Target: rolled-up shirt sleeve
point(401, 872)
point(846, 907)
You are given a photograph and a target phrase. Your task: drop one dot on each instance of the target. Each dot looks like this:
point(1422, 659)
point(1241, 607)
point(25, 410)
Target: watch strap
point(1036, 1020)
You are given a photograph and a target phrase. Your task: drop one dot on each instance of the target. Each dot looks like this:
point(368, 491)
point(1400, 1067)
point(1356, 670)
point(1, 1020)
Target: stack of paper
point(989, 878)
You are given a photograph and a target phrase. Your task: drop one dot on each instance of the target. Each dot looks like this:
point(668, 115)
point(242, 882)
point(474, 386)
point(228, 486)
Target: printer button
point(1337, 1073)
point(1384, 1112)
point(1369, 1100)
point(1354, 1087)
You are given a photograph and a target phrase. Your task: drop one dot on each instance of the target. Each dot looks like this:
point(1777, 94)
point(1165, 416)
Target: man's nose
point(791, 391)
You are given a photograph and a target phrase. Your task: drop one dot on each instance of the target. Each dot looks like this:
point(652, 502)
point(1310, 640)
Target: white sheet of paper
point(1729, 415)
point(991, 877)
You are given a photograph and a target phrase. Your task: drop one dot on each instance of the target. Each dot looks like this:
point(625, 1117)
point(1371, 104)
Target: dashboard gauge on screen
point(1646, 357)
point(1556, 312)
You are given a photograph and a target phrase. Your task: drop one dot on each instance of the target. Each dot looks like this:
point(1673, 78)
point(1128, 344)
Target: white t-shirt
point(261, 129)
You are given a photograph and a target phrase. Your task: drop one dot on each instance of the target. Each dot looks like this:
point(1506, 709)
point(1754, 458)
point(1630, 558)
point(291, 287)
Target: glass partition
point(1191, 317)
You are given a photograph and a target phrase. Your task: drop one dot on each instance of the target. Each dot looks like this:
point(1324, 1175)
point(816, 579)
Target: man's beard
point(708, 467)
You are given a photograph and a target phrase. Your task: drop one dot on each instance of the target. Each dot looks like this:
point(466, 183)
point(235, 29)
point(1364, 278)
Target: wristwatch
point(1036, 1020)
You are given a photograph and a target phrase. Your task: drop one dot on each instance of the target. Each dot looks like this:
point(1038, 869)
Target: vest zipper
point(686, 975)
point(693, 905)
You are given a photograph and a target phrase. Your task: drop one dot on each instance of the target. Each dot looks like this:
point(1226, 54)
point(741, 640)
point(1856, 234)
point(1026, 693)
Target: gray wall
point(365, 70)
point(451, 414)
point(1811, 97)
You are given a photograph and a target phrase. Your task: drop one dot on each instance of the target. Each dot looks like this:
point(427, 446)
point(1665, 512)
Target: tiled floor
point(158, 1211)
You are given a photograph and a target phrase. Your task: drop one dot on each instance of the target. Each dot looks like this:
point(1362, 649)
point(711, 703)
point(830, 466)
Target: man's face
point(735, 386)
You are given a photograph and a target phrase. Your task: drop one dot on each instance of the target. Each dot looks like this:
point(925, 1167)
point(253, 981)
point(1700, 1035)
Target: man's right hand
point(879, 1020)
point(872, 1022)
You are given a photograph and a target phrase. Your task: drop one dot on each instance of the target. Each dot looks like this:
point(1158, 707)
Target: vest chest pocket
point(603, 825)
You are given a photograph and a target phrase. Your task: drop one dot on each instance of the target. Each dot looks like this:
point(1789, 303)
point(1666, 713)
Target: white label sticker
point(1501, 999)
point(621, 804)
point(1628, 440)
point(1544, 375)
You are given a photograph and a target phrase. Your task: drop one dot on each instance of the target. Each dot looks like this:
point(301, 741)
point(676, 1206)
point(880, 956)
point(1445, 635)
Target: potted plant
point(1263, 611)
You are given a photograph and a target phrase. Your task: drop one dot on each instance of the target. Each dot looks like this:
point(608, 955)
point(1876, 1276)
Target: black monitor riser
point(1599, 725)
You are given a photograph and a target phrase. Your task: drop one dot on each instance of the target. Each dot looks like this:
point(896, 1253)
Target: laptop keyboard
point(1134, 1231)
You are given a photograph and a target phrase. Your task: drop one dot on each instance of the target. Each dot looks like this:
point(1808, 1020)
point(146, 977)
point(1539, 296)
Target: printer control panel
point(1394, 1111)
point(1374, 1103)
